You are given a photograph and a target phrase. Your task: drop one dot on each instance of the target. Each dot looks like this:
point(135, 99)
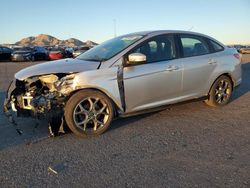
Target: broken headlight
point(49, 81)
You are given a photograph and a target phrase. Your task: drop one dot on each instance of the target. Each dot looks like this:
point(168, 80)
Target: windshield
point(110, 48)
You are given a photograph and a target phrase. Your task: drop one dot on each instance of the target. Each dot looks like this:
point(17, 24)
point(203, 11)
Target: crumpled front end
point(44, 88)
point(39, 96)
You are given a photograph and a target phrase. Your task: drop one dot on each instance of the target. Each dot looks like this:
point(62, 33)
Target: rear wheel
point(88, 113)
point(220, 92)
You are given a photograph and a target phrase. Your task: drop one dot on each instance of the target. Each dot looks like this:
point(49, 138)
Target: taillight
point(237, 56)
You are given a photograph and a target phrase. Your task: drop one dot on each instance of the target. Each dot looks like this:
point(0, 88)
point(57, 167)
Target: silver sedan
point(124, 76)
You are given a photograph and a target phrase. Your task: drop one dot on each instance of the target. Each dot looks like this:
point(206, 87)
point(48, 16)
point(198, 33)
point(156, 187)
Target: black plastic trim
point(120, 82)
point(161, 107)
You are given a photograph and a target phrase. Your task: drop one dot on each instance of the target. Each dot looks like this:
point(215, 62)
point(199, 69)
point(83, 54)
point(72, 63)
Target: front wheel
point(220, 92)
point(88, 113)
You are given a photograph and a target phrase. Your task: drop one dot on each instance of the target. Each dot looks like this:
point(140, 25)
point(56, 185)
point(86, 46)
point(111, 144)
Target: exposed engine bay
point(40, 96)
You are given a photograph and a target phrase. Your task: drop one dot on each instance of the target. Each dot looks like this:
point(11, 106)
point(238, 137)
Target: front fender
point(104, 80)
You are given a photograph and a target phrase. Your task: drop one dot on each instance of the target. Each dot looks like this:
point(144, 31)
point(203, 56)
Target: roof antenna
point(190, 29)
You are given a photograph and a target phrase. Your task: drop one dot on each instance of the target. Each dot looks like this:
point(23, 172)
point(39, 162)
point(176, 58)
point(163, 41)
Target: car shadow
point(120, 122)
point(244, 87)
point(32, 131)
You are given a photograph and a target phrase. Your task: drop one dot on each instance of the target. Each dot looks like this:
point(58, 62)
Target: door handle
point(172, 68)
point(212, 61)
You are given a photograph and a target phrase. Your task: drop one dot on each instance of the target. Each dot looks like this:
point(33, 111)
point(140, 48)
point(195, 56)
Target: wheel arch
point(117, 106)
point(223, 74)
point(230, 77)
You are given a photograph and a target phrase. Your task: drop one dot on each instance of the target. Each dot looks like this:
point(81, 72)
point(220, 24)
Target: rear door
point(156, 82)
point(198, 65)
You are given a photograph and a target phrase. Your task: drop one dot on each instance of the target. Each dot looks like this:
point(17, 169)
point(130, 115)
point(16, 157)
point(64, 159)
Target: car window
point(158, 48)
point(217, 47)
point(110, 48)
point(5, 50)
point(193, 46)
point(1, 49)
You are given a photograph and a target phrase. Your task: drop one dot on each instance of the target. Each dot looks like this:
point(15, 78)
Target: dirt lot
point(189, 145)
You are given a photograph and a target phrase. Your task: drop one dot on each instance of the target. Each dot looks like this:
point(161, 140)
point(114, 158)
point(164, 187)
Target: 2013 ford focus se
point(127, 75)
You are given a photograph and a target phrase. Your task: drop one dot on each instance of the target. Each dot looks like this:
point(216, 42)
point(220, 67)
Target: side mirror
point(135, 58)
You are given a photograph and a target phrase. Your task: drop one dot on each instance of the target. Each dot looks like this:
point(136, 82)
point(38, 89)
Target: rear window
point(217, 47)
point(6, 50)
point(193, 45)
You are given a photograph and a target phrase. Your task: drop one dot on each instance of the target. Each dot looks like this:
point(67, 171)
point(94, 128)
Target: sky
point(226, 20)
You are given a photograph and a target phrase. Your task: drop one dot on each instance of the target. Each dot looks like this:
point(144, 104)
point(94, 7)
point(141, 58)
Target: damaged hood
point(59, 66)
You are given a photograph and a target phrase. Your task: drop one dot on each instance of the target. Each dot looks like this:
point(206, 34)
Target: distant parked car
point(238, 47)
point(80, 51)
point(245, 50)
point(30, 54)
point(69, 52)
point(56, 53)
point(5, 53)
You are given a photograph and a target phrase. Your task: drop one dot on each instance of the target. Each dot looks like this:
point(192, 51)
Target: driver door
point(156, 82)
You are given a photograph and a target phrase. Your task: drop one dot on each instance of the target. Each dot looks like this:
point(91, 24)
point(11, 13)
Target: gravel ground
point(188, 145)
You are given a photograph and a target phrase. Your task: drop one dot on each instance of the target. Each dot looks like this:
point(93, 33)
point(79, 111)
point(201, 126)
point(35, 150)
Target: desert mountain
point(48, 40)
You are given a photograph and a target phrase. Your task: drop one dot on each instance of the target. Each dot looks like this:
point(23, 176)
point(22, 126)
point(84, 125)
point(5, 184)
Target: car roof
point(159, 32)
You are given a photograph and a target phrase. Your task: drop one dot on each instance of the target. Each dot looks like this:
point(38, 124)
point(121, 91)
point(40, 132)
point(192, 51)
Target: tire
point(88, 113)
point(33, 58)
point(220, 92)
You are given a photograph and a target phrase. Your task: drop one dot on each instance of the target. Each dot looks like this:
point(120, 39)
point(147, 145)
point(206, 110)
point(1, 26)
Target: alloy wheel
point(223, 91)
point(91, 114)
